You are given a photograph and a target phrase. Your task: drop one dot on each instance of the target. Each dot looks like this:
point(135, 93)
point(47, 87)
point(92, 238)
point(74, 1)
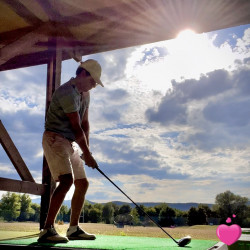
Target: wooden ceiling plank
point(100, 15)
point(128, 23)
point(13, 35)
point(24, 43)
point(61, 29)
point(50, 11)
point(23, 12)
point(57, 20)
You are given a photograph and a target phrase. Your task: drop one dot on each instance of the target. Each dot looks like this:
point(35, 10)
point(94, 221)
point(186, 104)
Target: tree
point(246, 222)
point(98, 206)
point(201, 214)
point(108, 213)
point(63, 214)
point(10, 206)
point(86, 208)
point(192, 216)
point(159, 207)
point(140, 212)
point(125, 209)
point(227, 204)
point(95, 215)
point(35, 212)
point(206, 209)
point(151, 211)
point(180, 213)
point(136, 219)
point(166, 216)
point(197, 216)
point(116, 209)
point(25, 207)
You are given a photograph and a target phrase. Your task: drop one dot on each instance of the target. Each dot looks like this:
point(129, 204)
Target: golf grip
point(136, 205)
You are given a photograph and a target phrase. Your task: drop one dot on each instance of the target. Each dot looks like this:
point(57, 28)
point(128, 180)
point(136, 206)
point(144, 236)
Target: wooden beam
point(22, 186)
point(35, 59)
point(71, 47)
point(53, 71)
point(13, 35)
point(23, 12)
point(104, 14)
point(65, 37)
point(14, 155)
point(49, 10)
point(27, 60)
point(53, 82)
point(24, 43)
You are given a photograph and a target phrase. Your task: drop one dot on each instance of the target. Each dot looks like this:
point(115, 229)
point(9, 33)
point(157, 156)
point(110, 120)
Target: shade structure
point(30, 29)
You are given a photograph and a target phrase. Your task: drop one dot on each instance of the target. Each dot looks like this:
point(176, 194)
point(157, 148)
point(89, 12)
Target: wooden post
point(53, 82)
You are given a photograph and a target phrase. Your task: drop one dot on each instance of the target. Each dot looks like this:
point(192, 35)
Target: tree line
point(19, 207)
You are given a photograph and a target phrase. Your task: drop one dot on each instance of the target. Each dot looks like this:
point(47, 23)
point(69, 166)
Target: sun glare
point(186, 57)
point(187, 34)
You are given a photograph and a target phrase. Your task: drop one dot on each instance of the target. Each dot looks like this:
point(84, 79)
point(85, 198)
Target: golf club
point(181, 243)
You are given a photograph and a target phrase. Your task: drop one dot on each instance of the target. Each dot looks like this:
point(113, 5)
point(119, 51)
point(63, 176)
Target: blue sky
point(171, 125)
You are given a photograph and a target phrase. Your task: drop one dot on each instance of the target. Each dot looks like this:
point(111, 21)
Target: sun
point(188, 41)
point(185, 57)
point(186, 34)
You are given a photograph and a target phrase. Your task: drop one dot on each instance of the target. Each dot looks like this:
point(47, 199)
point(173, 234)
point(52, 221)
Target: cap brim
point(98, 81)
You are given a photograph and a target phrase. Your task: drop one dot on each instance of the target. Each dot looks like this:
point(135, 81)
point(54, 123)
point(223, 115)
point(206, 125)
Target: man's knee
point(66, 181)
point(82, 184)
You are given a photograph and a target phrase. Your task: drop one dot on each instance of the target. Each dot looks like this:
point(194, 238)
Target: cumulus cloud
point(7, 169)
point(171, 115)
point(231, 113)
point(212, 107)
point(22, 90)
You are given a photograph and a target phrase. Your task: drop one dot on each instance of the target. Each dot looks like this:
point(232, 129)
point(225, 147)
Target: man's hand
point(89, 160)
point(81, 138)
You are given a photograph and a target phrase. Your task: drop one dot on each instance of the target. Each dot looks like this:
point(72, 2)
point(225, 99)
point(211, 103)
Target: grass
point(18, 229)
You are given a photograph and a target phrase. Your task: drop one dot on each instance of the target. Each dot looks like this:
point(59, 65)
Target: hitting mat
point(116, 242)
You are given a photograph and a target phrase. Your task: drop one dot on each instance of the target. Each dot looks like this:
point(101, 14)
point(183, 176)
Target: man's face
point(87, 81)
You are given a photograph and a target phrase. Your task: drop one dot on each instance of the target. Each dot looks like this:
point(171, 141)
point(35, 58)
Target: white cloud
point(7, 169)
point(171, 125)
point(23, 90)
point(182, 59)
point(194, 145)
point(243, 44)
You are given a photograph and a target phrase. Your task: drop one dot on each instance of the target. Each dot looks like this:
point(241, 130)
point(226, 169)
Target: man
point(67, 123)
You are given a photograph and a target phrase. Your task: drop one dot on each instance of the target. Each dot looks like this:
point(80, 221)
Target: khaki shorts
point(62, 156)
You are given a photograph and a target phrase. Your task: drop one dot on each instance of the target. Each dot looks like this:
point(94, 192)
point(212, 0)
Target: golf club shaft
point(137, 205)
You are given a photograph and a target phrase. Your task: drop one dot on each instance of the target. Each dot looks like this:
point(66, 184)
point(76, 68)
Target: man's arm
point(85, 125)
point(81, 139)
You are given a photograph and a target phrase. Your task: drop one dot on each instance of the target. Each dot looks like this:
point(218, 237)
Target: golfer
point(66, 124)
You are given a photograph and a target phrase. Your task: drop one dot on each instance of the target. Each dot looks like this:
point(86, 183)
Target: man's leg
point(75, 232)
point(81, 187)
point(65, 182)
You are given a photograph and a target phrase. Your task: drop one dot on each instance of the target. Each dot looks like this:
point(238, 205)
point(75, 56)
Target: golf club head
point(184, 241)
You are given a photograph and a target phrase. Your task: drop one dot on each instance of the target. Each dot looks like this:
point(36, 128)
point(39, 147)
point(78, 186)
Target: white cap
point(94, 68)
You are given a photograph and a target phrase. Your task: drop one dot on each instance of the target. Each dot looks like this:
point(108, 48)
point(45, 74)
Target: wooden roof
point(31, 30)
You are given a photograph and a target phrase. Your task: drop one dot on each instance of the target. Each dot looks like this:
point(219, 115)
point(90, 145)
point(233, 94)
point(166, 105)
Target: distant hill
point(179, 206)
point(66, 202)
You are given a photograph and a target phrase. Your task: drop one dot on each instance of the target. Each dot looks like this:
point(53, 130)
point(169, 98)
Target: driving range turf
point(110, 237)
point(114, 242)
